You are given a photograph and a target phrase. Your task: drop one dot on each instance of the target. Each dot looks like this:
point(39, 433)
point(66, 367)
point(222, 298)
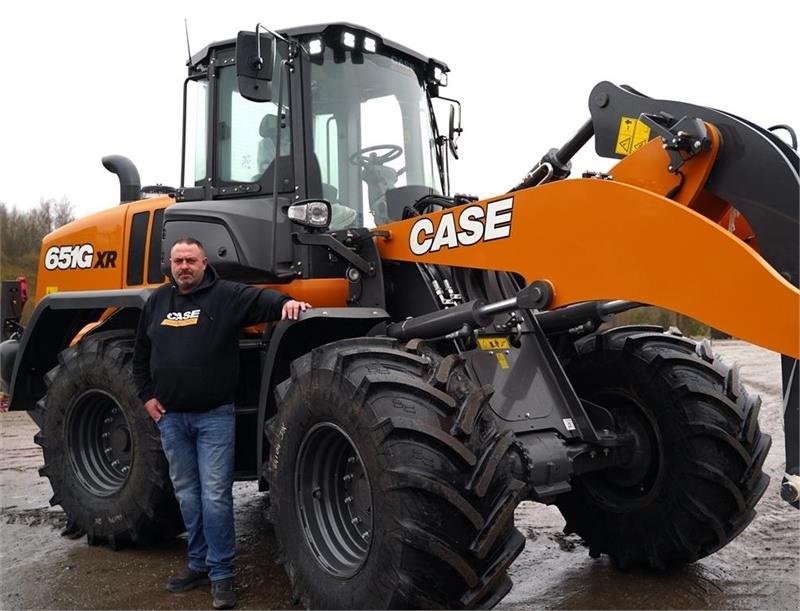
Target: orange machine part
point(648, 169)
point(599, 239)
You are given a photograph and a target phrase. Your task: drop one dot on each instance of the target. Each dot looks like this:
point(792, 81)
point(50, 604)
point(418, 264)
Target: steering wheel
point(368, 155)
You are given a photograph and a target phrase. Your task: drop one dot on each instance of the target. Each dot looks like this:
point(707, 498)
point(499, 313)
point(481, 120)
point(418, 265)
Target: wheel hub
point(99, 442)
point(636, 480)
point(334, 499)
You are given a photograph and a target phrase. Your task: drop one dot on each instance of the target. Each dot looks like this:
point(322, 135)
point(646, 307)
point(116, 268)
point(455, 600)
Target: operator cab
point(331, 112)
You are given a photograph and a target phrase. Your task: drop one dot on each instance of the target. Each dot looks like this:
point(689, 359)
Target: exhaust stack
point(130, 185)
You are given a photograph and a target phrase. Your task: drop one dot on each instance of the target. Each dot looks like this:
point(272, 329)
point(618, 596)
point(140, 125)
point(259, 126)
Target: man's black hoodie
point(187, 350)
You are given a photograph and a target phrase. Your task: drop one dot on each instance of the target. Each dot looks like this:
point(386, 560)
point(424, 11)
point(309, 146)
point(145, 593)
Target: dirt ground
point(40, 570)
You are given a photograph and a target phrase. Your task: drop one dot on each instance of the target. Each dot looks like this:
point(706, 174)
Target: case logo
point(474, 225)
point(181, 319)
point(81, 256)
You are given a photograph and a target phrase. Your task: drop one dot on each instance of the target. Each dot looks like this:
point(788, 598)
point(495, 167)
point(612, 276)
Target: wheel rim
point(100, 445)
point(334, 499)
point(636, 483)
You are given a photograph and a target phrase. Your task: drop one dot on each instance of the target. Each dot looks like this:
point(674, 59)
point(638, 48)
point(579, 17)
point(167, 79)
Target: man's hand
point(154, 409)
point(292, 309)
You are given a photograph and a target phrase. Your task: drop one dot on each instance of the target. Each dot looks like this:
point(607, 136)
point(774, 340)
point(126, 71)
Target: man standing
point(185, 366)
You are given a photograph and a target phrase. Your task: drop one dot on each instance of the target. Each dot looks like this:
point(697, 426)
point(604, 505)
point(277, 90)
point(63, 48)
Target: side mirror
point(254, 60)
point(454, 129)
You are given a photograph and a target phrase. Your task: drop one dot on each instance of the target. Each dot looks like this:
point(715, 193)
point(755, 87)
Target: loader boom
point(624, 247)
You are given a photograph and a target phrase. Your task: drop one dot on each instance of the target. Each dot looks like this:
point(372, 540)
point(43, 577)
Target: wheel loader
point(458, 359)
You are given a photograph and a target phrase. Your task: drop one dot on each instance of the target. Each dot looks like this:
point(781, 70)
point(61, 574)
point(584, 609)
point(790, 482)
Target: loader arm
point(600, 239)
point(755, 172)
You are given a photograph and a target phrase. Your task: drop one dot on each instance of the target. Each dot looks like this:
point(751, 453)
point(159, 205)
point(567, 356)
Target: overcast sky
point(83, 80)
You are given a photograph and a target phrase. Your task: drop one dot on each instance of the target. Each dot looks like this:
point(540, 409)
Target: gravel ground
point(760, 569)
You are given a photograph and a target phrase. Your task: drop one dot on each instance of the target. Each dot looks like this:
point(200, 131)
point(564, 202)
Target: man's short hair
point(190, 241)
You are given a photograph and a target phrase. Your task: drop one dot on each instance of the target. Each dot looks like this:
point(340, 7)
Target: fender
point(599, 239)
point(57, 319)
point(290, 340)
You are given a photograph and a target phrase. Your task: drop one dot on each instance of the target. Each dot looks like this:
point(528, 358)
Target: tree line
point(21, 233)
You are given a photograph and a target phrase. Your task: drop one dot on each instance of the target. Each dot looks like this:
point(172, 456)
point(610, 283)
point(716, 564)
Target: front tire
point(390, 485)
point(697, 474)
point(102, 452)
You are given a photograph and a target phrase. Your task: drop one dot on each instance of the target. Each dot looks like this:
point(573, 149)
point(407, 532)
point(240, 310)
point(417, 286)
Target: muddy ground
point(40, 570)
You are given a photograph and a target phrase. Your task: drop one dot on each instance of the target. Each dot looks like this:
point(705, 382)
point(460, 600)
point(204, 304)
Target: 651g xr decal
point(80, 256)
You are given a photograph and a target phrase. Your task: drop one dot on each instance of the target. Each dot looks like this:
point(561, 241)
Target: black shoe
point(187, 580)
point(223, 593)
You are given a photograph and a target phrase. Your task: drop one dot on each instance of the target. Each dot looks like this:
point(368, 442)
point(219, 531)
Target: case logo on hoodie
point(181, 319)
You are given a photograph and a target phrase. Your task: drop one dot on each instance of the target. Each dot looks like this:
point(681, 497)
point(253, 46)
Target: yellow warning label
point(493, 343)
point(501, 358)
point(633, 135)
point(50, 289)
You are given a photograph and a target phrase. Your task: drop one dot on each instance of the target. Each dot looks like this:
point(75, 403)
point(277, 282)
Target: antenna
point(188, 48)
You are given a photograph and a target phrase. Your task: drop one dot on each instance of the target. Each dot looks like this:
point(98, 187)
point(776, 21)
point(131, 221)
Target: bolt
point(108, 420)
point(601, 99)
point(527, 415)
point(348, 499)
point(351, 460)
point(366, 536)
point(592, 454)
point(317, 493)
point(355, 521)
point(347, 478)
point(670, 168)
point(697, 144)
point(107, 450)
point(605, 451)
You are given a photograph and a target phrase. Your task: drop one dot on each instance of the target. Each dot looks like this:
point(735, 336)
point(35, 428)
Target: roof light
point(370, 44)
point(440, 76)
point(349, 39)
point(315, 46)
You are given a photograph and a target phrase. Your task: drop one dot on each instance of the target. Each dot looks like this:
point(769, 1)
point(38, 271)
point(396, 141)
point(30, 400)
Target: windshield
point(372, 138)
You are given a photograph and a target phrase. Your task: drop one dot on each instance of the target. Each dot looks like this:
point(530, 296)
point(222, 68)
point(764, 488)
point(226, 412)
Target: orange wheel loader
point(456, 361)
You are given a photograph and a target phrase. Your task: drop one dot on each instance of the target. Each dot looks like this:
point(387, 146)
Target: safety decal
point(474, 224)
point(633, 135)
point(493, 342)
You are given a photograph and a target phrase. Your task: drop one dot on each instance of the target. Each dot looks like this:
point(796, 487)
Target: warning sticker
point(493, 343)
point(633, 135)
point(501, 358)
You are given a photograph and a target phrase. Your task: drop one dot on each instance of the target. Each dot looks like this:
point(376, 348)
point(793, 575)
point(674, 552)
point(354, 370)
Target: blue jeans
point(200, 451)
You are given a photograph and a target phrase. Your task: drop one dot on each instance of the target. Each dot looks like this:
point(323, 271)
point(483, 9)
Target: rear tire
point(102, 452)
point(698, 475)
point(390, 485)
